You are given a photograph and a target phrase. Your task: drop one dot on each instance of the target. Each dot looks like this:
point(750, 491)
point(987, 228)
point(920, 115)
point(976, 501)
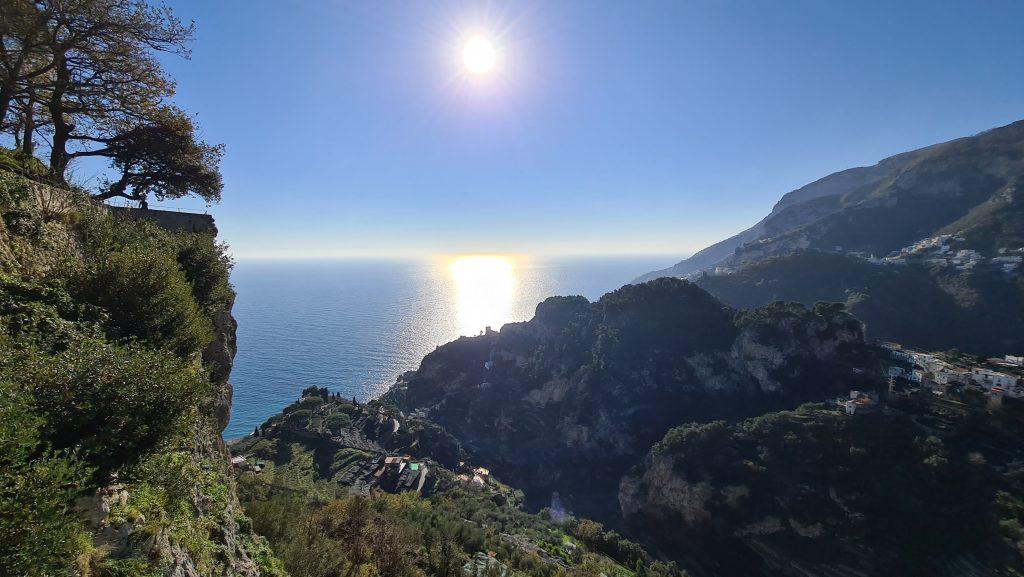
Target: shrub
point(310, 403)
point(113, 403)
point(44, 315)
point(126, 568)
point(147, 297)
point(18, 215)
point(207, 267)
point(299, 418)
point(338, 422)
point(21, 163)
point(39, 532)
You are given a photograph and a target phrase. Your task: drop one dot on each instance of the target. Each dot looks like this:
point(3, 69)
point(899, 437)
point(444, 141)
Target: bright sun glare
point(484, 285)
point(478, 55)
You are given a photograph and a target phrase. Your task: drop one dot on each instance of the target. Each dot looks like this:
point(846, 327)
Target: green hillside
point(112, 389)
point(981, 312)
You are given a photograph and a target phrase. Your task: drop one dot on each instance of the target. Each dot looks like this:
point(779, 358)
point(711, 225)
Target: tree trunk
point(6, 95)
point(29, 124)
point(59, 157)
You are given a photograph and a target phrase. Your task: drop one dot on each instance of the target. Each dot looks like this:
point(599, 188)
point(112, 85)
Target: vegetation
point(39, 533)
point(594, 385)
point(302, 500)
point(86, 78)
point(101, 388)
point(982, 313)
point(406, 535)
point(112, 404)
point(819, 487)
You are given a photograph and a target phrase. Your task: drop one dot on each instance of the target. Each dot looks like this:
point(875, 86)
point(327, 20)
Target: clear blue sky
point(646, 127)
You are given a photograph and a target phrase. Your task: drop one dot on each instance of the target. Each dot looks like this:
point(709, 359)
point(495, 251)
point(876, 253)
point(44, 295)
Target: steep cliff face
point(570, 400)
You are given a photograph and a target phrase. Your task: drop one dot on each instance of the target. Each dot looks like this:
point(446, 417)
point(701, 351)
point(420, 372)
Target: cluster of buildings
point(392, 474)
point(996, 377)
point(943, 251)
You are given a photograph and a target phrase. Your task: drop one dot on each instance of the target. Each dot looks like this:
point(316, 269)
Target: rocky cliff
point(570, 400)
point(819, 492)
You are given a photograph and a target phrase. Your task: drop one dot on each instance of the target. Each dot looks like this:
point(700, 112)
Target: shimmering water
point(354, 326)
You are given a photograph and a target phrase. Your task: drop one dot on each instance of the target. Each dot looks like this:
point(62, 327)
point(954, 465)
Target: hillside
point(928, 488)
point(936, 308)
point(116, 342)
point(569, 401)
point(795, 208)
point(339, 486)
point(968, 185)
point(672, 418)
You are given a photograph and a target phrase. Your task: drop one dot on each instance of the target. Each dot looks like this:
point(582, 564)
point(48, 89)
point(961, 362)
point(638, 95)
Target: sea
point(353, 326)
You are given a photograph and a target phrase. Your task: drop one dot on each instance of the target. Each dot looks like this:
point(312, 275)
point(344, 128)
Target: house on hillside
point(858, 402)
point(988, 379)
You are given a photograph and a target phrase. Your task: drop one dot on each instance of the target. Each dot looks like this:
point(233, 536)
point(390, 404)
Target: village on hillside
point(370, 444)
point(948, 377)
point(950, 250)
point(945, 251)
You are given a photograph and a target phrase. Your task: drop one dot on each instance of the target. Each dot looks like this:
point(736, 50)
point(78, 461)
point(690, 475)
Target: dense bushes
point(39, 533)
point(24, 164)
point(111, 403)
point(45, 314)
point(147, 297)
point(157, 286)
point(594, 536)
point(878, 482)
point(406, 535)
point(206, 266)
point(99, 375)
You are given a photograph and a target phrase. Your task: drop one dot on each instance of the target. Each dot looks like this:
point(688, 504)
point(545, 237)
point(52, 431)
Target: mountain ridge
point(807, 205)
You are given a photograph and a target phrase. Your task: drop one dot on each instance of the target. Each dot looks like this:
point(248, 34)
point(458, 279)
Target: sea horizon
point(353, 325)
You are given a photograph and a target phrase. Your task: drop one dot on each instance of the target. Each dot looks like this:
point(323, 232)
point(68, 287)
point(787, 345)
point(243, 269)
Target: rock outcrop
point(817, 492)
point(570, 400)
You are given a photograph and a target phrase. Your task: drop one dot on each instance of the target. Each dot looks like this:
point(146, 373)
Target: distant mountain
point(970, 185)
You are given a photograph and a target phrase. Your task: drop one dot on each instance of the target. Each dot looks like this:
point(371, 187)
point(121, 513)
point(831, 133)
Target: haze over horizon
point(598, 128)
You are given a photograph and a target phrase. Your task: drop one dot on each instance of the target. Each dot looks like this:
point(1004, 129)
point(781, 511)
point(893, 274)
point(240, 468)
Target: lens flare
point(479, 55)
point(484, 286)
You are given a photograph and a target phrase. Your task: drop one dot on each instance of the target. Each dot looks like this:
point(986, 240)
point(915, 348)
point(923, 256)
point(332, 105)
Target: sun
point(484, 286)
point(479, 55)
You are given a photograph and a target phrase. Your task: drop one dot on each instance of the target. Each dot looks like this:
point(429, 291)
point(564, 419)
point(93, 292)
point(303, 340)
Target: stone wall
point(169, 219)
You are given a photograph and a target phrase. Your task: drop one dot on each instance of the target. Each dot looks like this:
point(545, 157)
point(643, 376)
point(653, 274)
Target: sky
point(353, 130)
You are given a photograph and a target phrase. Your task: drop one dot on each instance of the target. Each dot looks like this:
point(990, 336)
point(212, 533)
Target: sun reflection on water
point(484, 286)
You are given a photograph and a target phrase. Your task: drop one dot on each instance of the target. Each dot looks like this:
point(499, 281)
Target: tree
point(24, 31)
point(105, 69)
point(161, 156)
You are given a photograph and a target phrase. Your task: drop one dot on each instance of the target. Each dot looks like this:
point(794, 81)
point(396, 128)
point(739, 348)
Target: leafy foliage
point(39, 532)
point(112, 403)
point(98, 375)
point(147, 297)
point(876, 482)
